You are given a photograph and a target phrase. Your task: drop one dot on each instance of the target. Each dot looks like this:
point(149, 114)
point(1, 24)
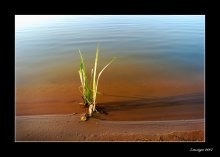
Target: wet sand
point(133, 112)
point(70, 128)
point(167, 118)
point(117, 106)
point(46, 114)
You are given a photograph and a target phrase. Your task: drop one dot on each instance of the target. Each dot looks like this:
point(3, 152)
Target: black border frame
point(187, 7)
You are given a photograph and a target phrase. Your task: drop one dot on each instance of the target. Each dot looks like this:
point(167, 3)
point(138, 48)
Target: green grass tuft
point(90, 89)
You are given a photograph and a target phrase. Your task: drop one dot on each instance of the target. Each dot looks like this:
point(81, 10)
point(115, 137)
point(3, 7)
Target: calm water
point(156, 56)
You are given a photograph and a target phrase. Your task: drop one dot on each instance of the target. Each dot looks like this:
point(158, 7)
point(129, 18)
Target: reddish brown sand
point(70, 128)
point(174, 118)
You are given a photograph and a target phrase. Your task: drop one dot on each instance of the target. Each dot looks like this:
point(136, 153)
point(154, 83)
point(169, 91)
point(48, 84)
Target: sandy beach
point(68, 127)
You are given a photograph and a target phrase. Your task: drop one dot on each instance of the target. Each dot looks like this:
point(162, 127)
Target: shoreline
point(68, 127)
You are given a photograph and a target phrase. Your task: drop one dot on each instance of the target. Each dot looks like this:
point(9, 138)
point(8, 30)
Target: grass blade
point(94, 77)
point(102, 71)
point(84, 81)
